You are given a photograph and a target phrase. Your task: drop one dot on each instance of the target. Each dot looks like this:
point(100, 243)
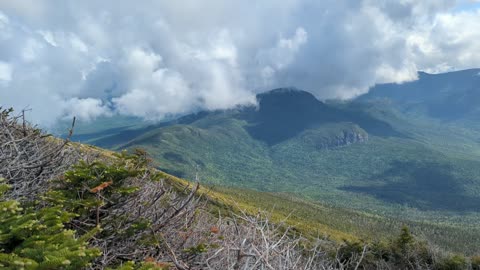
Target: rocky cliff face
point(334, 135)
point(346, 137)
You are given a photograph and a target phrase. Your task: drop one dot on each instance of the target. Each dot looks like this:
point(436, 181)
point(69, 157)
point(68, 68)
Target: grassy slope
point(338, 224)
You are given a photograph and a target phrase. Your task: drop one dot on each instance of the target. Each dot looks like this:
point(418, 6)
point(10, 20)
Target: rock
point(345, 137)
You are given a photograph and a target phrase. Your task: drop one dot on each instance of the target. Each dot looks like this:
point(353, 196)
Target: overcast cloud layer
point(157, 58)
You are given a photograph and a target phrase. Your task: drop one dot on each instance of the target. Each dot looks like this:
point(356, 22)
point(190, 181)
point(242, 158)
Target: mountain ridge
point(451, 96)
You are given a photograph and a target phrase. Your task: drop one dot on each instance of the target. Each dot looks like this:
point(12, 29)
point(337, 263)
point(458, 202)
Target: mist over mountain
point(279, 115)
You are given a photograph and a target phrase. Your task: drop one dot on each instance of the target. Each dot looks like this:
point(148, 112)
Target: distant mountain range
point(407, 150)
point(453, 96)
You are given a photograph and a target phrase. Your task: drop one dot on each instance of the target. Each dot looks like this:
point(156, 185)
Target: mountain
point(452, 96)
point(283, 114)
point(385, 153)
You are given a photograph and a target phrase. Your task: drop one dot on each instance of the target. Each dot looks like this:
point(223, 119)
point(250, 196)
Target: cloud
point(161, 58)
point(154, 91)
point(5, 72)
point(85, 109)
point(451, 42)
point(283, 54)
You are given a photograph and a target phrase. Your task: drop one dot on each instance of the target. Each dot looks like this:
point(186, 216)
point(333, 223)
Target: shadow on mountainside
point(426, 186)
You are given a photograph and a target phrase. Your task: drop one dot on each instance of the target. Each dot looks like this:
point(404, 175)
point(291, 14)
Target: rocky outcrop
point(332, 136)
point(343, 138)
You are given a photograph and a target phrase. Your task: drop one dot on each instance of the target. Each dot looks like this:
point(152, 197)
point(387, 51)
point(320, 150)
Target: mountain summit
point(289, 97)
point(288, 101)
point(285, 112)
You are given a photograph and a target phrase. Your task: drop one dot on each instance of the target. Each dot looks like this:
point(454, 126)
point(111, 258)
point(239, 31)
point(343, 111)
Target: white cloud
point(141, 64)
point(157, 58)
point(171, 97)
point(5, 72)
point(78, 44)
point(295, 42)
point(449, 43)
point(30, 50)
point(3, 20)
point(31, 9)
point(284, 52)
point(222, 48)
point(85, 109)
point(48, 37)
point(387, 74)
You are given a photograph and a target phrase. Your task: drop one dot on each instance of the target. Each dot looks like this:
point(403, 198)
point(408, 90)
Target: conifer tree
point(37, 239)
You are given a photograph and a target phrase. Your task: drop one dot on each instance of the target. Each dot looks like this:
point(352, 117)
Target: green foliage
point(453, 262)
point(402, 252)
point(406, 251)
point(37, 239)
point(139, 226)
point(405, 240)
point(195, 250)
point(348, 250)
point(90, 186)
point(6, 112)
point(94, 190)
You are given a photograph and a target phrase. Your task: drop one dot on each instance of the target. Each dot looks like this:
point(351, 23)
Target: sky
point(157, 59)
